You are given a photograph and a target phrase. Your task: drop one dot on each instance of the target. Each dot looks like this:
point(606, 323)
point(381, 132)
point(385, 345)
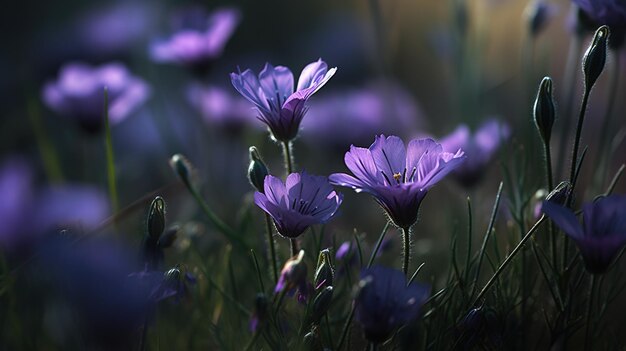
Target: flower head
point(198, 48)
point(303, 200)
point(79, 93)
point(397, 176)
point(385, 302)
point(221, 108)
point(479, 147)
point(273, 95)
point(603, 233)
point(293, 275)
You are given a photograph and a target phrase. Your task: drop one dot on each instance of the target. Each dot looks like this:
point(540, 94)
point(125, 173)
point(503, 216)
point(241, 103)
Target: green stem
point(381, 237)
point(406, 244)
point(550, 183)
point(109, 155)
point(288, 157)
point(592, 289)
point(579, 129)
point(508, 259)
point(294, 247)
point(272, 248)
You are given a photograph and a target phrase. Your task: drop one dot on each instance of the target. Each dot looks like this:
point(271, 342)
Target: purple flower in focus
point(79, 93)
point(603, 234)
point(273, 95)
point(385, 302)
point(479, 148)
point(221, 108)
point(198, 48)
point(28, 215)
point(398, 177)
point(381, 107)
point(303, 200)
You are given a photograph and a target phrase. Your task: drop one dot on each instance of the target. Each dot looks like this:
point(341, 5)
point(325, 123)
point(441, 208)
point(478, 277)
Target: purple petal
point(389, 155)
point(564, 218)
point(311, 74)
point(275, 190)
point(277, 82)
point(222, 24)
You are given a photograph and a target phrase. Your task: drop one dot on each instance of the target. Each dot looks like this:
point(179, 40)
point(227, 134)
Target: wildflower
point(260, 314)
point(605, 12)
point(604, 231)
point(302, 201)
point(293, 275)
point(198, 48)
point(385, 302)
point(479, 147)
point(397, 177)
point(222, 109)
point(79, 94)
point(257, 170)
point(324, 271)
point(273, 95)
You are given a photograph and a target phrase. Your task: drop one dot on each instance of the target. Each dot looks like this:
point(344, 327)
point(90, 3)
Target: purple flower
point(385, 302)
point(609, 12)
point(293, 275)
point(397, 177)
point(221, 108)
point(198, 48)
point(79, 93)
point(381, 107)
point(480, 148)
point(303, 200)
point(603, 233)
point(273, 95)
point(28, 214)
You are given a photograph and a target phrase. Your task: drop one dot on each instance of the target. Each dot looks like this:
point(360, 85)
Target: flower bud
point(259, 315)
point(293, 274)
point(324, 271)
point(543, 110)
point(560, 193)
point(321, 304)
point(156, 218)
point(257, 170)
point(182, 167)
point(595, 57)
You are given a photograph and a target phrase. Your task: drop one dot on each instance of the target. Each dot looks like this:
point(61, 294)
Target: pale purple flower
point(28, 214)
point(385, 302)
point(293, 275)
point(604, 12)
point(397, 176)
point(197, 48)
point(303, 200)
point(380, 107)
point(280, 106)
point(603, 233)
point(479, 147)
point(79, 93)
point(221, 108)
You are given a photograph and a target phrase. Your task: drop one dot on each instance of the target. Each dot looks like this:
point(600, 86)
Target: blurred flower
point(381, 107)
point(172, 284)
point(222, 109)
point(538, 14)
point(272, 93)
point(28, 214)
point(385, 302)
point(260, 313)
point(479, 148)
point(79, 93)
point(293, 275)
point(303, 200)
point(603, 234)
point(198, 48)
point(397, 177)
point(604, 12)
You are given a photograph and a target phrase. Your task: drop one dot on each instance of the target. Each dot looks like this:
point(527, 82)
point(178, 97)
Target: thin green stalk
point(288, 157)
point(406, 245)
point(550, 183)
point(508, 259)
point(258, 270)
point(272, 247)
point(49, 156)
point(469, 238)
point(483, 248)
point(373, 346)
point(579, 129)
point(379, 242)
point(109, 155)
point(592, 289)
point(294, 247)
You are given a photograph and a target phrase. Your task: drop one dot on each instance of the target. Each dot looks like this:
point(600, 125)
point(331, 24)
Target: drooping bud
point(293, 274)
point(324, 271)
point(257, 170)
point(259, 315)
point(321, 304)
point(543, 110)
point(182, 167)
point(156, 218)
point(595, 57)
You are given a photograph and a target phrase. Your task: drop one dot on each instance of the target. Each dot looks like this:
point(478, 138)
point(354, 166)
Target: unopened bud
point(156, 218)
point(293, 274)
point(543, 110)
point(560, 193)
point(595, 57)
point(321, 304)
point(324, 271)
point(257, 171)
point(182, 167)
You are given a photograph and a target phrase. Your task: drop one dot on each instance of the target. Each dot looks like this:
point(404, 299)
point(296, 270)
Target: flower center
point(400, 177)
